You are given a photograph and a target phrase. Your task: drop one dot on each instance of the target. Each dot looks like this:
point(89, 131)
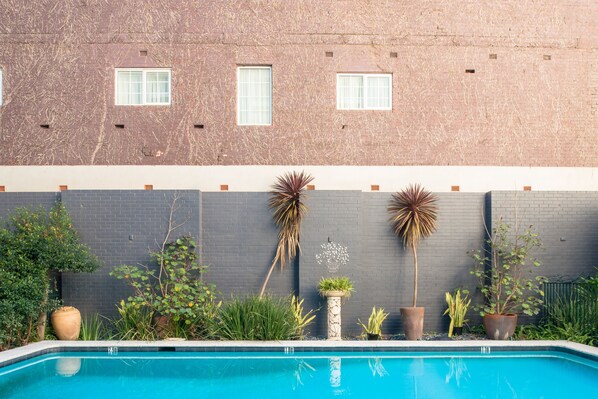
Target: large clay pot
point(413, 322)
point(500, 326)
point(66, 322)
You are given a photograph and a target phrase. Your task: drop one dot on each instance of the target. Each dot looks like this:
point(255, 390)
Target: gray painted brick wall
point(567, 223)
point(238, 238)
point(106, 220)
point(239, 242)
point(10, 201)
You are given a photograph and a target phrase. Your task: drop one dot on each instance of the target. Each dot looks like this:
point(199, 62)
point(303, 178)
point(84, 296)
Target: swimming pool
point(301, 374)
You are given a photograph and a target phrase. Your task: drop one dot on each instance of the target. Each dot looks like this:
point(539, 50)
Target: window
point(254, 95)
point(143, 87)
point(364, 91)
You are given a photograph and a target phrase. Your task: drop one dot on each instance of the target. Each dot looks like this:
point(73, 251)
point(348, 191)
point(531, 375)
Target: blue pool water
point(301, 375)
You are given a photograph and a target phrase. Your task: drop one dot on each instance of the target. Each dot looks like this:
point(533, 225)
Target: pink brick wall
point(58, 60)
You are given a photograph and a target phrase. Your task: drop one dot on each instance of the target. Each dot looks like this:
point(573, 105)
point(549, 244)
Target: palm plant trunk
point(413, 246)
point(263, 289)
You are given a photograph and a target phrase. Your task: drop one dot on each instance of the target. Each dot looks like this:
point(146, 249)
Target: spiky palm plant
point(288, 204)
point(413, 214)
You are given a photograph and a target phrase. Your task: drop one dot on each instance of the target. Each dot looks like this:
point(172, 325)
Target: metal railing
point(571, 302)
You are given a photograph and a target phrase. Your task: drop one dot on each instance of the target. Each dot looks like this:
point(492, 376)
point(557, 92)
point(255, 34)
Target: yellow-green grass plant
point(457, 309)
point(302, 320)
point(374, 326)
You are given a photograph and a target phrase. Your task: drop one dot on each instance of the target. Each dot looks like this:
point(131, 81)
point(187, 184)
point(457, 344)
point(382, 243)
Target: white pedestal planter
point(334, 314)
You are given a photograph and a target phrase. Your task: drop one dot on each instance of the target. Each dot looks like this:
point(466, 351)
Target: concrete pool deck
point(45, 347)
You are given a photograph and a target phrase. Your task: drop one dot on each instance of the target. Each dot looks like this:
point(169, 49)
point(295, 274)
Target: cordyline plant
point(504, 270)
point(287, 201)
point(413, 214)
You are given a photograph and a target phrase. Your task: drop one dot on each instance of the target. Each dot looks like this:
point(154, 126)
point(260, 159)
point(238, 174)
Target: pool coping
point(12, 356)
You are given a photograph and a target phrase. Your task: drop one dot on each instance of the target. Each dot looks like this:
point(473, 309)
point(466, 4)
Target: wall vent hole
point(45, 126)
point(470, 71)
point(547, 57)
point(493, 56)
point(394, 55)
point(119, 126)
point(143, 53)
point(198, 126)
point(329, 54)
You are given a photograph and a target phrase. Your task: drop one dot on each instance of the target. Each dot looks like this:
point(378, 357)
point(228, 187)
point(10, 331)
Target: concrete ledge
point(45, 347)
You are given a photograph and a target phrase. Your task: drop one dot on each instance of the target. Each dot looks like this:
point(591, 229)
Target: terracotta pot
point(373, 337)
point(500, 326)
point(66, 322)
point(413, 322)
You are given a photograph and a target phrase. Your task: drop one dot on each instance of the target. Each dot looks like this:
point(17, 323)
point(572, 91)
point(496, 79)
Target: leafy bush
point(503, 270)
point(256, 319)
point(343, 284)
point(176, 291)
point(550, 331)
point(33, 244)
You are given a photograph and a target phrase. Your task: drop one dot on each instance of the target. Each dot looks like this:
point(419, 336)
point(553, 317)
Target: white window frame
point(144, 72)
point(366, 107)
point(239, 68)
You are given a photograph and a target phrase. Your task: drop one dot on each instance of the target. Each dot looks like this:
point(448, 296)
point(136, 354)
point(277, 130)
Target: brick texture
point(122, 227)
point(517, 109)
point(238, 238)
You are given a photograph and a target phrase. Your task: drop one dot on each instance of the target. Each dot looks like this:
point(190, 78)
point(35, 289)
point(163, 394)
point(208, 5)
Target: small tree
point(287, 201)
point(176, 290)
point(41, 242)
point(504, 270)
point(413, 217)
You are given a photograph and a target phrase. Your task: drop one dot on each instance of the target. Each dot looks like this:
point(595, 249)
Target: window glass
point(143, 87)
point(364, 91)
point(254, 96)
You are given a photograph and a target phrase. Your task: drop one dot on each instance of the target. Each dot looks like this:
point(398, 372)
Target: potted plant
point(413, 217)
point(333, 289)
point(457, 309)
point(373, 329)
point(504, 270)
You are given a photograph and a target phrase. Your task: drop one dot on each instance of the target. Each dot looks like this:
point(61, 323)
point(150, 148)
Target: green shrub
point(92, 328)
point(504, 270)
point(176, 291)
point(32, 245)
point(134, 322)
point(256, 319)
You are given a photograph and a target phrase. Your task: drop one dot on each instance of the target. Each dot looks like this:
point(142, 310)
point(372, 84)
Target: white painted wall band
point(260, 178)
